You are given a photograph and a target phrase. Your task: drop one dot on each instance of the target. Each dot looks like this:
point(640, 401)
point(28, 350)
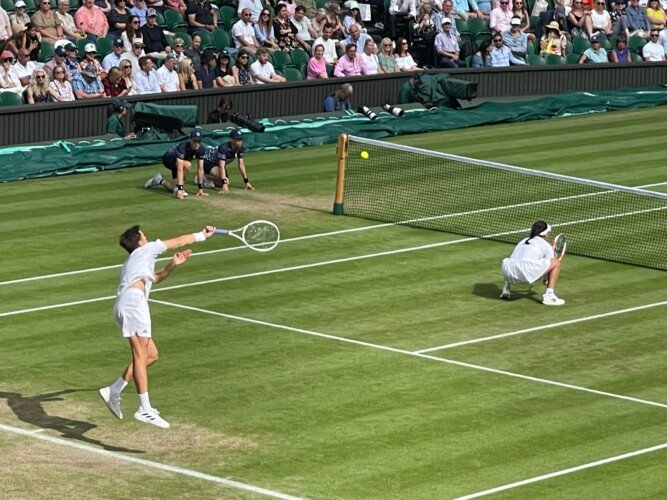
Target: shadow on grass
point(29, 409)
point(493, 291)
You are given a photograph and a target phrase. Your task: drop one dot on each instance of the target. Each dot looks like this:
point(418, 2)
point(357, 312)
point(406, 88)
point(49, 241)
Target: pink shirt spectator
point(177, 5)
point(500, 17)
point(350, 67)
point(5, 25)
point(91, 20)
point(316, 69)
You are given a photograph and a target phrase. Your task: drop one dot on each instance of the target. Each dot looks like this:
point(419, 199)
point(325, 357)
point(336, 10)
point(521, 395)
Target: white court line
point(410, 353)
point(564, 471)
point(56, 306)
point(311, 236)
point(542, 327)
point(148, 463)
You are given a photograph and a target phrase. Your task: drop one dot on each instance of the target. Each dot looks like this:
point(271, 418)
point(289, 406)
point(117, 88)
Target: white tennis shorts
point(524, 271)
point(132, 315)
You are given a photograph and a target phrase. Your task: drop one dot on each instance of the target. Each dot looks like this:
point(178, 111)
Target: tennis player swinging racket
point(532, 259)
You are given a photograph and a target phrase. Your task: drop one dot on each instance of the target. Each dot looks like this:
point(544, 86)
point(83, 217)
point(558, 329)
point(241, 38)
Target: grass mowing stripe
point(410, 353)
point(565, 471)
point(542, 327)
point(149, 463)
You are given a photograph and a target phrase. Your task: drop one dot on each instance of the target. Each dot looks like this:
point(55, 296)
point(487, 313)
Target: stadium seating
point(553, 59)
point(535, 60)
point(579, 45)
point(104, 46)
point(292, 74)
point(281, 60)
point(220, 39)
point(636, 44)
point(46, 51)
point(10, 99)
point(174, 20)
point(572, 58)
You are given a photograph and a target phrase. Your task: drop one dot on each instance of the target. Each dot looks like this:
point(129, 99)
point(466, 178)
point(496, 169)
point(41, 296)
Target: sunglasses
point(39, 77)
point(654, 34)
point(135, 22)
point(263, 13)
point(595, 41)
point(127, 67)
point(498, 40)
point(179, 45)
point(8, 59)
point(600, 3)
point(504, 3)
point(243, 57)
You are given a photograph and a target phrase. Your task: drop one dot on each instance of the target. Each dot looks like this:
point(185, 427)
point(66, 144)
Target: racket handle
point(221, 231)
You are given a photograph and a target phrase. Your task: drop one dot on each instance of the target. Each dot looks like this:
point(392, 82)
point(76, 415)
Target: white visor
point(546, 231)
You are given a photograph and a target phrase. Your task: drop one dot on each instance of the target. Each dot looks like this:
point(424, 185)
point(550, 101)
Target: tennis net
point(438, 191)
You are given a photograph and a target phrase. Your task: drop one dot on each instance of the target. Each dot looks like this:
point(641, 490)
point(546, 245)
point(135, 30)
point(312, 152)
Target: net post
point(341, 152)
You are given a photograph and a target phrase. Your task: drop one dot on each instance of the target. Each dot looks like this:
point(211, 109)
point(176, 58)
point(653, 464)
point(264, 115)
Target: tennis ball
point(364, 155)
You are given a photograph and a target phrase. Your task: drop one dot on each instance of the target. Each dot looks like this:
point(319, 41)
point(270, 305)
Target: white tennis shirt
point(140, 265)
point(538, 249)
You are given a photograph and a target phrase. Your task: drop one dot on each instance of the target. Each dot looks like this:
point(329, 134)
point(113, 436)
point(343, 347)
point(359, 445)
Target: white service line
point(542, 327)
point(410, 353)
point(55, 306)
point(564, 471)
point(147, 463)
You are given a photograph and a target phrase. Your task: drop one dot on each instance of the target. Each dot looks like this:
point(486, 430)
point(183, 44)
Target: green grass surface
point(297, 372)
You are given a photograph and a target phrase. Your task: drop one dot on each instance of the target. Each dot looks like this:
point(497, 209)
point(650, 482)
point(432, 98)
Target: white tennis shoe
point(112, 401)
point(552, 300)
point(153, 181)
point(151, 416)
point(506, 291)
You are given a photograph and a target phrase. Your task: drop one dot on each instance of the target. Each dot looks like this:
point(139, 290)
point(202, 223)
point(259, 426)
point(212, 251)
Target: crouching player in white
point(532, 259)
point(133, 316)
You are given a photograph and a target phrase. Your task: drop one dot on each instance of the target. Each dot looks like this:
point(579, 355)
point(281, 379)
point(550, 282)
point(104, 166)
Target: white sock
point(145, 401)
point(550, 292)
point(118, 386)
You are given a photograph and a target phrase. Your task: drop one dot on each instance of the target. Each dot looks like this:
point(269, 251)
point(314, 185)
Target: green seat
point(81, 44)
point(292, 74)
point(30, 7)
point(579, 45)
point(281, 60)
point(636, 44)
point(159, 19)
point(8, 5)
point(174, 19)
point(530, 47)
point(220, 39)
point(478, 26)
point(535, 60)
point(605, 44)
point(10, 99)
point(636, 57)
point(568, 48)
point(299, 57)
point(227, 13)
point(572, 58)
point(206, 40)
point(553, 59)
point(104, 46)
point(462, 26)
point(469, 61)
point(46, 51)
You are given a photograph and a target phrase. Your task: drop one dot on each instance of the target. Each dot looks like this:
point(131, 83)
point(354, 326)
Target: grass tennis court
point(341, 364)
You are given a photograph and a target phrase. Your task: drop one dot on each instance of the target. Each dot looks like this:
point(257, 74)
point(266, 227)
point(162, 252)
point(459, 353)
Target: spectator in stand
point(5, 26)
point(423, 27)
point(653, 51)
point(91, 20)
point(71, 61)
point(128, 77)
point(179, 49)
point(405, 9)
point(332, 17)
point(370, 58)
point(26, 39)
point(447, 47)
point(518, 10)
point(619, 22)
point(167, 75)
point(115, 122)
point(146, 80)
point(310, 9)
point(386, 56)
point(222, 113)
point(58, 60)
point(501, 17)
point(638, 23)
point(224, 77)
point(9, 80)
point(516, 40)
point(350, 64)
point(465, 9)
point(317, 66)
point(134, 55)
point(46, 23)
point(482, 58)
point(595, 53)
point(244, 33)
point(177, 5)
point(440, 16)
point(118, 17)
point(598, 22)
point(206, 72)
point(553, 41)
point(89, 60)
point(329, 44)
point(140, 10)
point(501, 55)
point(155, 41)
point(60, 88)
point(620, 53)
point(104, 5)
point(290, 5)
point(113, 58)
point(339, 100)
point(656, 15)
point(87, 85)
point(356, 37)
point(192, 52)
point(262, 70)
point(67, 22)
point(264, 31)
point(254, 6)
point(114, 83)
point(18, 19)
point(576, 20)
point(318, 22)
point(241, 70)
point(187, 79)
point(132, 32)
point(24, 67)
point(402, 58)
point(305, 32)
point(201, 15)
point(286, 32)
point(353, 17)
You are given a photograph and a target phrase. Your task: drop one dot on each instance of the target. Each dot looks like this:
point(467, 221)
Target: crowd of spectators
point(96, 50)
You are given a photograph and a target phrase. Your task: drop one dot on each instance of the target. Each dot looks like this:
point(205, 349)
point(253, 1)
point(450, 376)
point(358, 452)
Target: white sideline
point(564, 471)
point(410, 353)
point(147, 463)
point(542, 327)
point(298, 238)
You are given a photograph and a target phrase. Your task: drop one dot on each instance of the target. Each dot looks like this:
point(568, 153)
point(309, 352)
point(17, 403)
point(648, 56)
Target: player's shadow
point(29, 409)
point(493, 291)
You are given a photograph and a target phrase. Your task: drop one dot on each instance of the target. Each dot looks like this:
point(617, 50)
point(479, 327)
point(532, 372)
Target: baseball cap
point(119, 103)
point(118, 42)
point(224, 53)
point(515, 21)
point(236, 134)
point(196, 134)
point(88, 71)
point(594, 39)
point(170, 57)
point(151, 13)
point(446, 20)
point(60, 51)
point(90, 47)
point(20, 3)
point(7, 54)
point(71, 47)
point(137, 41)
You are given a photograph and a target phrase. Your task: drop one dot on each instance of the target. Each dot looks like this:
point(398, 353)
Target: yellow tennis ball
point(364, 155)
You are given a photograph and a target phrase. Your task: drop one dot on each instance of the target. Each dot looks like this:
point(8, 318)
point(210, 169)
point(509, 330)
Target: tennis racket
point(560, 245)
point(259, 235)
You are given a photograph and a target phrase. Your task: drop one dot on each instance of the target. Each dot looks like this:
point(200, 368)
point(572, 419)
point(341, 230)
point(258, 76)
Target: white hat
point(351, 4)
point(20, 3)
point(90, 47)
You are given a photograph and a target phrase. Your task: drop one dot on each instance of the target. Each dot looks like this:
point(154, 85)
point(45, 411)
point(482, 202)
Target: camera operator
point(216, 161)
point(223, 113)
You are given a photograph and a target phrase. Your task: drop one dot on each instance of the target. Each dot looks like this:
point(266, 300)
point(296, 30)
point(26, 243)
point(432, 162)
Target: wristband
point(199, 237)
point(200, 185)
point(224, 181)
point(179, 187)
point(246, 180)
